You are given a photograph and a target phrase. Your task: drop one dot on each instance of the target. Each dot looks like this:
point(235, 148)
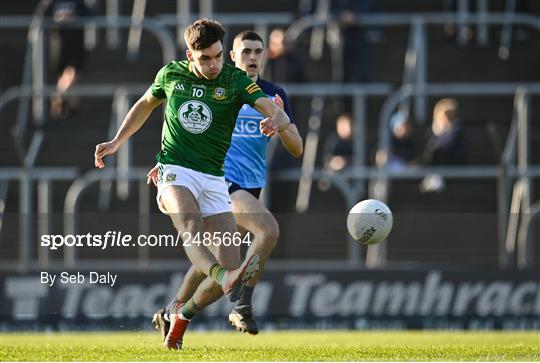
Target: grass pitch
point(275, 346)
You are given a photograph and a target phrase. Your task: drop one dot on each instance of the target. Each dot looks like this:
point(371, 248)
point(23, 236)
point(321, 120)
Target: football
point(370, 221)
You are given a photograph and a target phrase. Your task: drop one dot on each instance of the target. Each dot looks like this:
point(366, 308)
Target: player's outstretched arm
point(136, 117)
point(292, 141)
point(290, 137)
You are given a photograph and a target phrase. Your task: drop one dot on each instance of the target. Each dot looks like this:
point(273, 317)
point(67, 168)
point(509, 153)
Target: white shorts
point(210, 191)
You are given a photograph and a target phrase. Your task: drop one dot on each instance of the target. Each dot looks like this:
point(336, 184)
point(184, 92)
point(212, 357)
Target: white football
point(370, 221)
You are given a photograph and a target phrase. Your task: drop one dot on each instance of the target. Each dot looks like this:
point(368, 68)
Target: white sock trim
point(183, 317)
point(180, 315)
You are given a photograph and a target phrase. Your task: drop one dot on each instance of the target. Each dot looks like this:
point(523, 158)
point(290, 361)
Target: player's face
point(207, 62)
point(248, 55)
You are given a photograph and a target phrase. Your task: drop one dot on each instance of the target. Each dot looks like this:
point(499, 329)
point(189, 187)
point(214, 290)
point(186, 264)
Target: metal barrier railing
point(350, 182)
point(26, 178)
point(504, 188)
point(521, 211)
point(122, 160)
point(81, 184)
point(405, 19)
point(506, 33)
point(30, 174)
point(135, 30)
point(416, 69)
point(261, 22)
point(310, 154)
point(34, 66)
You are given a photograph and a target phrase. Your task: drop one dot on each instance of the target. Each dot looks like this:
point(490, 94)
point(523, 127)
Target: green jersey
point(200, 114)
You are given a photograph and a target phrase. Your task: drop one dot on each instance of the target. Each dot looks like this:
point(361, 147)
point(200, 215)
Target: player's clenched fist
point(102, 150)
point(268, 127)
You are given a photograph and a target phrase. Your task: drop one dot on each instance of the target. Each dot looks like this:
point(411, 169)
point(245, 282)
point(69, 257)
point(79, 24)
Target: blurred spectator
point(338, 148)
point(282, 66)
point(71, 53)
point(354, 37)
point(446, 143)
point(403, 147)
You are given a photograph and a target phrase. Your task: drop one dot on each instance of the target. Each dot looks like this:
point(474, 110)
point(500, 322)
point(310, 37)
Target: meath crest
point(219, 93)
point(194, 116)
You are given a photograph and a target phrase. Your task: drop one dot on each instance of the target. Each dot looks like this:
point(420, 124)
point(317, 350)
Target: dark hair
point(203, 33)
point(248, 35)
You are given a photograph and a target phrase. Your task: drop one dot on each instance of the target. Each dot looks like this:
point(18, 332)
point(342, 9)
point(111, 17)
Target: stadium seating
point(464, 215)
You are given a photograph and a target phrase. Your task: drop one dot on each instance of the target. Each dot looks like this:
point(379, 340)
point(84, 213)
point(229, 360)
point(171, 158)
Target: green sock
point(217, 273)
point(190, 309)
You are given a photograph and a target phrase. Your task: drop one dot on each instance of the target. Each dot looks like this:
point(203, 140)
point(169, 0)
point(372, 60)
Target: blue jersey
point(245, 163)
